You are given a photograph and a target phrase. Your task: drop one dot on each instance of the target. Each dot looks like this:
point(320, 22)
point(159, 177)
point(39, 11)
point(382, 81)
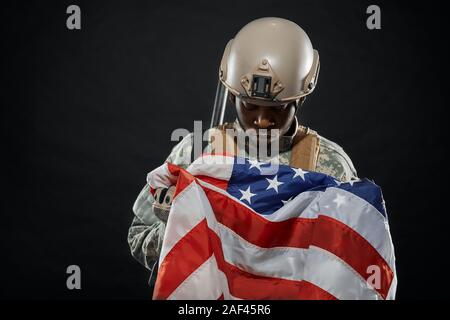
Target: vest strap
point(304, 152)
point(305, 149)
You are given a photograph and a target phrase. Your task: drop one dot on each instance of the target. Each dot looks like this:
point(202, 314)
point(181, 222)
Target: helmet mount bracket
point(262, 82)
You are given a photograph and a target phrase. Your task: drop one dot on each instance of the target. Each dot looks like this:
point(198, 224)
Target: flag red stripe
point(219, 183)
point(344, 242)
point(324, 232)
point(185, 257)
point(180, 262)
point(245, 285)
point(256, 229)
point(310, 291)
point(184, 178)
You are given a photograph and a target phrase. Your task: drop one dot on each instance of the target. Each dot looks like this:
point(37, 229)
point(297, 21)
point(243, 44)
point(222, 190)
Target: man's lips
point(267, 137)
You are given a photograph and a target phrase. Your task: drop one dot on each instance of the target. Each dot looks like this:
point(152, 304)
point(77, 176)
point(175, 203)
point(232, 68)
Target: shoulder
point(333, 160)
point(181, 153)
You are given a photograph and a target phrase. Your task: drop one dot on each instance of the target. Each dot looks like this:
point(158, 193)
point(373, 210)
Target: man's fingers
point(162, 195)
point(169, 195)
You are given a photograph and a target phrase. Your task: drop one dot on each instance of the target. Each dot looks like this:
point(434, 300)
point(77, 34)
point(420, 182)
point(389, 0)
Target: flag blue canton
point(266, 193)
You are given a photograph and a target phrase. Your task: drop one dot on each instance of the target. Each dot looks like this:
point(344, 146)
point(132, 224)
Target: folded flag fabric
point(236, 232)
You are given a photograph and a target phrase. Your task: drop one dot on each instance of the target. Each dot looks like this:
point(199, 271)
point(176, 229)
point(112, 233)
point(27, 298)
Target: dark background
point(87, 113)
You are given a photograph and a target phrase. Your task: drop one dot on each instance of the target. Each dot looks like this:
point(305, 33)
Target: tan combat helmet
point(271, 60)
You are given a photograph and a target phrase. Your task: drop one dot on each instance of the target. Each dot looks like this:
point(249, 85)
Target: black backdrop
point(86, 114)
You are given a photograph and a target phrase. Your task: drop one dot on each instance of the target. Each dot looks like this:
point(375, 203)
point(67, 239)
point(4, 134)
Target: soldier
point(268, 69)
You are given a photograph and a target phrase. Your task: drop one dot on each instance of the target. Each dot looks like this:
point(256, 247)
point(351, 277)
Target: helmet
point(270, 60)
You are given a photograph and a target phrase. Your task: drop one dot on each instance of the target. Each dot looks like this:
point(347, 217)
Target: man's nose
point(263, 121)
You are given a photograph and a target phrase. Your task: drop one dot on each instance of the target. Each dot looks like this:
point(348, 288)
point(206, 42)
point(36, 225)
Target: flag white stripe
point(161, 177)
point(280, 262)
point(180, 223)
point(205, 283)
point(356, 213)
point(295, 208)
point(393, 288)
point(315, 265)
point(333, 275)
point(219, 167)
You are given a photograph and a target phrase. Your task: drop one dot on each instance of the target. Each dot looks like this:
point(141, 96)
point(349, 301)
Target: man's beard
point(263, 136)
point(262, 142)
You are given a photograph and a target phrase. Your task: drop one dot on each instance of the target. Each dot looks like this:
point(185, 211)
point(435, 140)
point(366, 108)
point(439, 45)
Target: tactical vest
point(304, 150)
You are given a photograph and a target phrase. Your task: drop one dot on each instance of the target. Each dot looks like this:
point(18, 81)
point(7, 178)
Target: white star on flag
point(255, 164)
point(299, 173)
point(274, 183)
point(339, 200)
point(286, 201)
point(334, 252)
point(351, 182)
point(247, 195)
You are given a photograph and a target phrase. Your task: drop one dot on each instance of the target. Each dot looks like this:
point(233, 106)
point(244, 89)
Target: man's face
point(253, 116)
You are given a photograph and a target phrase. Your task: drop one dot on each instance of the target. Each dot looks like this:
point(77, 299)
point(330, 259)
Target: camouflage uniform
point(147, 231)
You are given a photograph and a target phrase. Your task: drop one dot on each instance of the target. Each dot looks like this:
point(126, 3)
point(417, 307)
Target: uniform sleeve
point(146, 232)
point(349, 171)
point(334, 161)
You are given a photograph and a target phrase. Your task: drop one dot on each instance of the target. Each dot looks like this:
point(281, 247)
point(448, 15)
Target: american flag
point(235, 233)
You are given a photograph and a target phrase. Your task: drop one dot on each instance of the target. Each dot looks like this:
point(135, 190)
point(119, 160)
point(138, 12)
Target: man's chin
point(264, 139)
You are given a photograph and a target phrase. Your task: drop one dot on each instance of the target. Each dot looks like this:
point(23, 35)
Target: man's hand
point(163, 201)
